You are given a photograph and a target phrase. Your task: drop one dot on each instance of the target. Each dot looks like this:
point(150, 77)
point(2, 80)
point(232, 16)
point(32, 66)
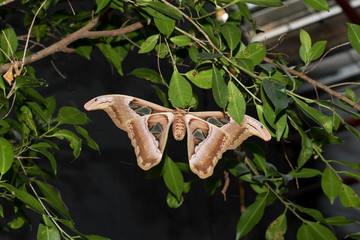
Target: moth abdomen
point(179, 127)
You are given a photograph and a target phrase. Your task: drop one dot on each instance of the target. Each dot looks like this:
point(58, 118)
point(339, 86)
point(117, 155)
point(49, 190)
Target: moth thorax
point(179, 127)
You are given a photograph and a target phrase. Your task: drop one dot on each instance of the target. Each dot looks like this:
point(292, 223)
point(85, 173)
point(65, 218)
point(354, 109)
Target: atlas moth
point(209, 134)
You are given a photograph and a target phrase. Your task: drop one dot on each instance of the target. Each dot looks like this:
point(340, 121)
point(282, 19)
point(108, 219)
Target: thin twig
point(57, 70)
point(12, 105)
point(315, 83)
point(71, 7)
point(344, 83)
point(290, 164)
point(323, 56)
point(29, 33)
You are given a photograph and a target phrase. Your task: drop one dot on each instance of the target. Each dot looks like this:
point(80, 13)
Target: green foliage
point(27, 136)
point(203, 54)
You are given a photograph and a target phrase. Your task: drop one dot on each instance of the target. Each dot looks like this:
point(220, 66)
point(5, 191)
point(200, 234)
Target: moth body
point(179, 127)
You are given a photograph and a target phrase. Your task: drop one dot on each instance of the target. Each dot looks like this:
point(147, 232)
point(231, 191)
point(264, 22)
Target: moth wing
point(148, 135)
point(249, 127)
point(122, 108)
point(237, 133)
point(206, 144)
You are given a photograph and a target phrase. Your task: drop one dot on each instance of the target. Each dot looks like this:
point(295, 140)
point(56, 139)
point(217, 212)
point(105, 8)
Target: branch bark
point(316, 84)
point(83, 32)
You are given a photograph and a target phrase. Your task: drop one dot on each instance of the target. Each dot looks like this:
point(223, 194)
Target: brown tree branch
point(83, 32)
point(316, 84)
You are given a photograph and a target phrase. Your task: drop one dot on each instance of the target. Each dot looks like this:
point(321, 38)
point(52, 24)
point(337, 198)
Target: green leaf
point(316, 214)
point(323, 137)
point(38, 111)
point(101, 4)
point(259, 155)
point(96, 237)
point(17, 222)
point(114, 55)
point(4, 126)
point(47, 233)
point(354, 36)
point(266, 3)
point(317, 50)
point(180, 91)
point(172, 201)
point(27, 118)
point(11, 39)
point(245, 63)
point(70, 115)
point(149, 44)
point(353, 236)
point(165, 25)
point(24, 197)
point(353, 130)
point(201, 78)
point(84, 51)
point(237, 104)
point(314, 231)
point(193, 52)
point(348, 197)
point(330, 184)
point(277, 228)
point(232, 35)
point(162, 50)
point(352, 174)
point(207, 56)
point(350, 94)
point(303, 54)
point(45, 152)
point(281, 126)
point(211, 184)
point(305, 173)
point(268, 110)
point(164, 9)
point(75, 141)
point(245, 11)
point(173, 178)
point(321, 119)
point(251, 216)
point(147, 74)
point(90, 142)
point(2, 85)
point(338, 221)
point(39, 30)
point(317, 4)
point(219, 88)
point(277, 93)
point(161, 95)
point(305, 41)
point(6, 156)
point(52, 197)
point(1, 211)
point(353, 165)
point(47, 230)
point(181, 40)
point(255, 52)
point(29, 81)
point(306, 149)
